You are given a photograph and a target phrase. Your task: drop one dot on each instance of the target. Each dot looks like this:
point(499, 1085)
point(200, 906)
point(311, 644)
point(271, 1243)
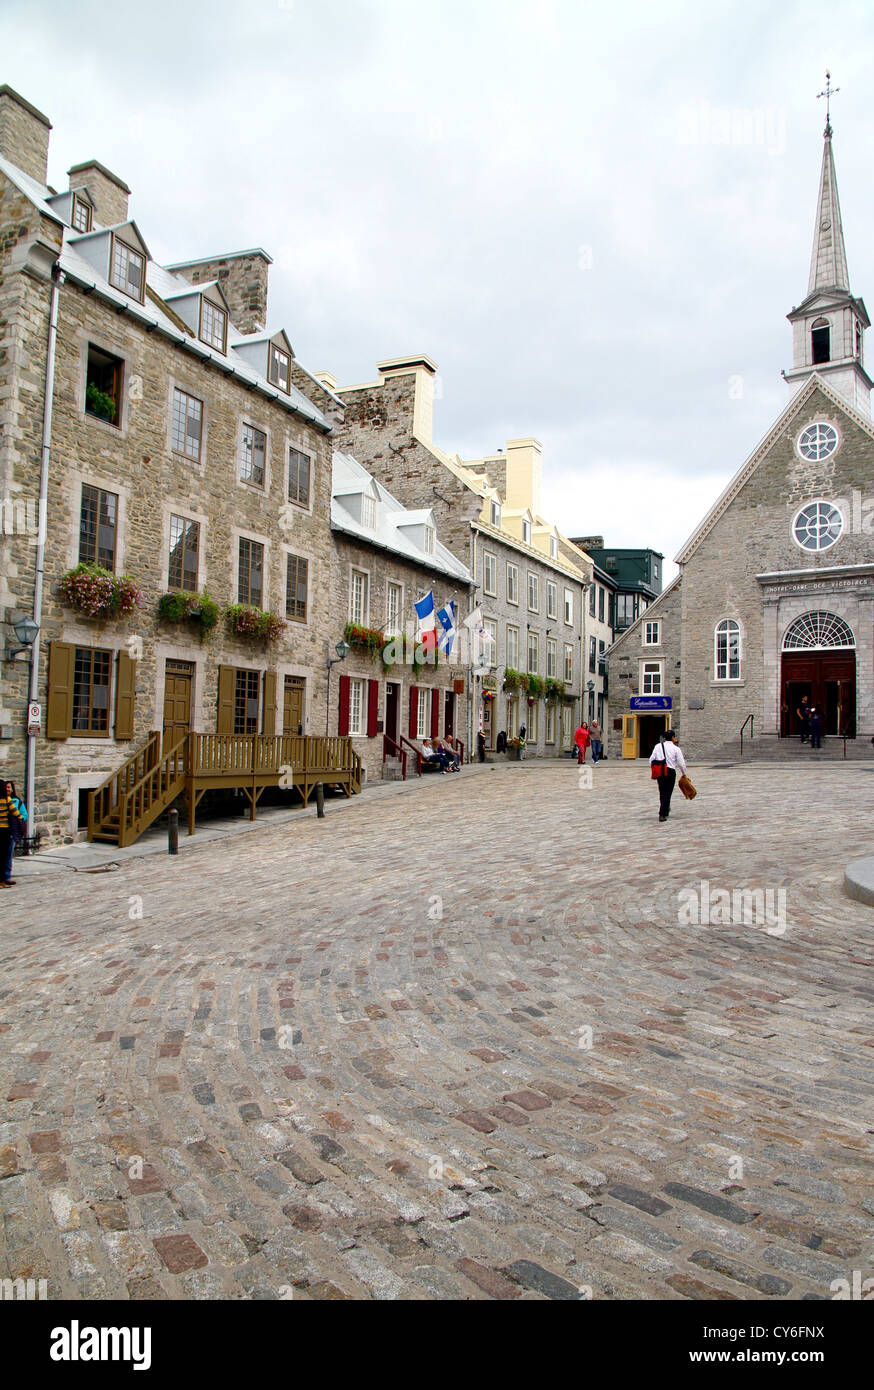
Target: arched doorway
point(819, 661)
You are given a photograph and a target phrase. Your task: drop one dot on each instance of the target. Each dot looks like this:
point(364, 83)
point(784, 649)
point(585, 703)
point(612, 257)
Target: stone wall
point(242, 278)
point(625, 661)
point(24, 134)
point(110, 193)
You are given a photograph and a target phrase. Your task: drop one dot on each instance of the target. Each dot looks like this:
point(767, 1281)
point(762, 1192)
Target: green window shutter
point(59, 715)
point(227, 684)
point(268, 722)
point(125, 697)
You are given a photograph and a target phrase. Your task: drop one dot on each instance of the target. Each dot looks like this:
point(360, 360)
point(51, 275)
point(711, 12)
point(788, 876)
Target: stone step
point(769, 748)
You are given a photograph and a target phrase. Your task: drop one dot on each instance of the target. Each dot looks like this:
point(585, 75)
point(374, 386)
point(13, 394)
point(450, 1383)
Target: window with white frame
point(490, 641)
point(495, 513)
point(357, 706)
point(394, 599)
point(652, 634)
point(568, 606)
point(368, 511)
point(553, 548)
point(651, 677)
point(423, 713)
point(358, 597)
point(533, 593)
point(551, 657)
point(513, 718)
point(512, 647)
point(490, 573)
point(428, 540)
point(568, 662)
point(512, 583)
point(727, 654)
point(531, 732)
point(526, 532)
point(533, 652)
point(213, 324)
point(551, 599)
point(279, 368)
point(550, 723)
point(128, 269)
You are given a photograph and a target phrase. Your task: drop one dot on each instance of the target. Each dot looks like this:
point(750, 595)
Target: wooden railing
point(416, 754)
point(104, 800)
point(389, 746)
point(154, 792)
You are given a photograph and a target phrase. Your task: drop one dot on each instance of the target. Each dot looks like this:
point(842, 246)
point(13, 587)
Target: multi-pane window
point(490, 641)
point(254, 456)
point(533, 646)
point(550, 723)
point(600, 603)
point(299, 477)
point(184, 546)
point(250, 581)
point(81, 215)
point(495, 513)
point(526, 532)
point(490, 573)
point(512, 583)
point(213, 324)
point(246, 691)
point(368, 511)
point(423, 713)
point(358, 598)
point(513, 648)
point(98, 521)
point(727, 650)
point(651, 678)
point(602, 660)
point(279, 369)
point(568, 606)
point(568, 662)
point(551, 657)
point(296, 576)
point(533, 593)
point(428, 540)
point(592, 588)
point(553, 548)
point(531, 733)
point(651, 634)
point(357, 706)
point(187, 424)
point(593, 655)
point(91, 691)
point(393, 608)
point(551, 599)
point(128, 269)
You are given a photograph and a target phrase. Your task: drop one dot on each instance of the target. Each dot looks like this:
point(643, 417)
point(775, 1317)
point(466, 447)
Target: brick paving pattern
point(301, 1074)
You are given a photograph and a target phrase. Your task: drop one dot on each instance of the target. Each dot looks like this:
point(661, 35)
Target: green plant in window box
point(368, 637)
point(512, 679)
point(183, 606)
point(98, 593)
point(100, 403)
point(554, 689)
point(536, 686)
point(245, 621)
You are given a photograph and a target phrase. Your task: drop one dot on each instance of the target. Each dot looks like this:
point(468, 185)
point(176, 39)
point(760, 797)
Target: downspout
point(42, 509)
point(470, 674)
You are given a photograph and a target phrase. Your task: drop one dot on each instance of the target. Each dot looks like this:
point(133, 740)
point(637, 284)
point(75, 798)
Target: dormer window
point(495, 514)
point(279, 370)
point(553, 548)
point(128, 269)
point(368, 511)
point(213, 325)
point(526, 532)
point(820, 336)
point(81, 218)
point(428, 540)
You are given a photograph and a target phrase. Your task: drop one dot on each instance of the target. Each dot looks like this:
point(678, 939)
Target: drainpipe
point(42, 509)
point(471, 679)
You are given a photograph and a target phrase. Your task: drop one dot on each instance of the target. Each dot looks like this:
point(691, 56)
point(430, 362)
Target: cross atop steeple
point(828, 93)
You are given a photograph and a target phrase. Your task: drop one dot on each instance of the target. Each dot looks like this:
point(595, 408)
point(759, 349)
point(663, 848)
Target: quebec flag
point(425, 612)
point(446, 617)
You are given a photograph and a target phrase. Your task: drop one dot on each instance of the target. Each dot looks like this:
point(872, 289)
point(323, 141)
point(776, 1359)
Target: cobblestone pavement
point(301, 1074)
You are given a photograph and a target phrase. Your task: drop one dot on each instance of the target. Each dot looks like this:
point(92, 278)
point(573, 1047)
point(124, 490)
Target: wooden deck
point(152, 779)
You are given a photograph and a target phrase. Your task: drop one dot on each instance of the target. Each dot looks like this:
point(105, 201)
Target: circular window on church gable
point(817, 442)
point(817, 526)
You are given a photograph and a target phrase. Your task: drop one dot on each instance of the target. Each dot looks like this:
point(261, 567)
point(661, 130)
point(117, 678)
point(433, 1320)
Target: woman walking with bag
point(9, 815)
point(665, 759)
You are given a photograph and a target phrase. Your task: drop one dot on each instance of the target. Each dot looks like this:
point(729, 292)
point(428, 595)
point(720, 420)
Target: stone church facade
point(775, 597)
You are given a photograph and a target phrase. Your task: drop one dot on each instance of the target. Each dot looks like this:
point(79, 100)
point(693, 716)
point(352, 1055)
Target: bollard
point(320, 800)
point(173, 831)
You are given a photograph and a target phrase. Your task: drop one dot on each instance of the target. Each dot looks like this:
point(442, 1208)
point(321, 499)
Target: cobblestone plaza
point(376, 1057)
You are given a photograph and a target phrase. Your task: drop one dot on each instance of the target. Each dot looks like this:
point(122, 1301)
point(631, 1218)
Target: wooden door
point(292, 708)
point(392, 710)
point(629, 735)
point(177, 700)
point(449, 713)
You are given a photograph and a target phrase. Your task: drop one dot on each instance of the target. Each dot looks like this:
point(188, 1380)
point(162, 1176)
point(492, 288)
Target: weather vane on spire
point(828, 93)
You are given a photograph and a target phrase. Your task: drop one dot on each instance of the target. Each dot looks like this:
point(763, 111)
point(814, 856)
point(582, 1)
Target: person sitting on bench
point(447, 747)
point(433, 754)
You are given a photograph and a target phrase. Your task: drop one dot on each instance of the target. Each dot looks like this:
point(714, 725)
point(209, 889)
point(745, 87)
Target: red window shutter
point(414, 710)
point(343, 715)
point(372, 707)
point(435, 713)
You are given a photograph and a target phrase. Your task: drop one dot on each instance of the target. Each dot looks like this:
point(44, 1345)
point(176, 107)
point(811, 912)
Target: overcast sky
point(549, 197)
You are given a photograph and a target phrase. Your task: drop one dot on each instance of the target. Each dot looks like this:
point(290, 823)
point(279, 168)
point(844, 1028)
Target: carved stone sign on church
point(861, 584)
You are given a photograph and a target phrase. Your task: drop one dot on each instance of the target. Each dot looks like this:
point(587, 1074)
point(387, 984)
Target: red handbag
point(660, 767)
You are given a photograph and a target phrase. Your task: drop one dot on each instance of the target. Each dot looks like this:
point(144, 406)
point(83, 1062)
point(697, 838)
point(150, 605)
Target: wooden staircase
point(130, 799)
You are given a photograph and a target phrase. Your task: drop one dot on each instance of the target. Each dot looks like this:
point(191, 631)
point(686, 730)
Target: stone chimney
point(24, 135)
point(110, 193)
point(425, 371)
point(524, 475)
point(242, 276)
point(587, 542)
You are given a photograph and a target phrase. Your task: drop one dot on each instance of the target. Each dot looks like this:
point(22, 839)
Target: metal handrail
point(750, 719)
point(389, 746)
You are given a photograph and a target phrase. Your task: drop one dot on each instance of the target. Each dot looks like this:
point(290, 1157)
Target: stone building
point(598, 632)
point(775, 596)
point(530, 580)
point(387, 558)
point(185, 447)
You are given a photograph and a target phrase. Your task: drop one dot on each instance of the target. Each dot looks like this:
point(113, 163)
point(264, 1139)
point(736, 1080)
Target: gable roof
point(746, 471)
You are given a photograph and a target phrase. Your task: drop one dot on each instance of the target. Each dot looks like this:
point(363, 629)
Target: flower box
point(97, 593)
point(256, 623)
point(181, 606)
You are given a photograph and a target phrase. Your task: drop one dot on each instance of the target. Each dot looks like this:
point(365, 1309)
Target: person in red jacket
point(582, 738)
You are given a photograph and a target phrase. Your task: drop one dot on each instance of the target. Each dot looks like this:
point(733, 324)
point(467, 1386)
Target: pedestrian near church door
point(178, 676)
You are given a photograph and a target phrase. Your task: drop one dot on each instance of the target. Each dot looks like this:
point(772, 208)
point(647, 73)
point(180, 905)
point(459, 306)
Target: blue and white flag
point(425, 612)
point(446, 617)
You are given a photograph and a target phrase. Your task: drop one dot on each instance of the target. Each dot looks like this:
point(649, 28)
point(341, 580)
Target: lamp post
point(26, 631)
point(590, 686)
point(342, 649)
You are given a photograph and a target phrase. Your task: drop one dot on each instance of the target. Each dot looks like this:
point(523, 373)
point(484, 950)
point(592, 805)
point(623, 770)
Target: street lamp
point(26, 631)
point(342, 649)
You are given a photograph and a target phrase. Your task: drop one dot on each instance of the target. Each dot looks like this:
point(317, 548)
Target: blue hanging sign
point(644, 702)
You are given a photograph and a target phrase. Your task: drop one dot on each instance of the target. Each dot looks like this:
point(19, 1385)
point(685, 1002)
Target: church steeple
point(828, 325)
